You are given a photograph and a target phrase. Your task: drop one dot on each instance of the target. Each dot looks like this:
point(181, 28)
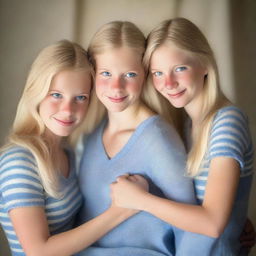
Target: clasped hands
point(129, 191)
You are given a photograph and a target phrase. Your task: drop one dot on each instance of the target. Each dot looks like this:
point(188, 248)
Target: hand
point(129, 191)
point(248, 236)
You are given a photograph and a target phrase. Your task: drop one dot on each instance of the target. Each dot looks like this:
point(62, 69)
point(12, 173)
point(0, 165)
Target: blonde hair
point(28, 127)
point(187, 36)
point(117, 34)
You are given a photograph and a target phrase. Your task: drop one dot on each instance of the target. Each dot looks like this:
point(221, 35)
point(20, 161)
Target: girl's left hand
point(128, 191)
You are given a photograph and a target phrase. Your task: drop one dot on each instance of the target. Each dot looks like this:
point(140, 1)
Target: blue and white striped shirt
point(230, 137)
point(21, 186)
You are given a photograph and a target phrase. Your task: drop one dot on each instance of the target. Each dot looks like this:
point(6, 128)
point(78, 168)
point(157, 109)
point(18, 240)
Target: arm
point(24, 201)
point(31, 227)
point(209, 219)
point(230, 138)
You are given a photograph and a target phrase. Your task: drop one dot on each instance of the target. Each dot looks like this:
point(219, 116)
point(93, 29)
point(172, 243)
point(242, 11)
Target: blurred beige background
point(29, 25)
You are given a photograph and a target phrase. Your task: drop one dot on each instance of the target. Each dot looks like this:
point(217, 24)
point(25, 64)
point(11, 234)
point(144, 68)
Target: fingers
point(132, 178)
point(139, 177)
point(124, 176)
point(248, 241)
point(248, 244)
point(248, 236)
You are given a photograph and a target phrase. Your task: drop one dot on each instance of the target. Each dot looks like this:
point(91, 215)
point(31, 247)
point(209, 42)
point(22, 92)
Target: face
point(66, 103)
point(178, 76)
point(119, 78)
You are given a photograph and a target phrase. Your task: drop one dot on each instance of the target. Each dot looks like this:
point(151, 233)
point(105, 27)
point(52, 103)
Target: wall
point(26, 27)
point(29, 25)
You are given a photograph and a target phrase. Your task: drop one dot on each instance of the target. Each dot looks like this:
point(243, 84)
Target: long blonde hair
point(187, 36)
point(28, 128)
point(117, 34)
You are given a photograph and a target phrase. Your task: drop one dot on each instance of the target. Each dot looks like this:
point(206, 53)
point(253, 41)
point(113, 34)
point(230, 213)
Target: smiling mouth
point(117, 100)
point(64, 122)
point(176, 95)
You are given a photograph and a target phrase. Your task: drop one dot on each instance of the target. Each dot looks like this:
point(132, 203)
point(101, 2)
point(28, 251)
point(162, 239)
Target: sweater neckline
point(134, 137)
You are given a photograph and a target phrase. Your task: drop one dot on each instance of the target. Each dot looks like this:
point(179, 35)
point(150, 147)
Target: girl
point(39, 195)
point(131, 138)
point(184, 71)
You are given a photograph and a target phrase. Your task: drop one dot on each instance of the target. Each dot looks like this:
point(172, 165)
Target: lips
point(117, 99)
point(65, 122)
point(176, 95)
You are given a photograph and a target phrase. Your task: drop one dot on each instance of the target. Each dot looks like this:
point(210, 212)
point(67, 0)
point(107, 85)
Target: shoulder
point(230, 115)
point(161, 128)
point(16, 161)
point(231, 121)
point(157, 126)
point(20, 184)
point(16, 154)
point(161, 134)
point(230, 135)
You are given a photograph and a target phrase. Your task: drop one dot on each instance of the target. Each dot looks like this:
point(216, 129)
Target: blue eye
point(105, 73)
point(56, 95)
point(81, 98)
point(179, 69)
point(158, 73)
point(131, 74)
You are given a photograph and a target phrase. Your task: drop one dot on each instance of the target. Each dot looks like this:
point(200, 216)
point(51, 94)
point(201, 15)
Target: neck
point(194, 110)
point(130, 118)
point(55, 142)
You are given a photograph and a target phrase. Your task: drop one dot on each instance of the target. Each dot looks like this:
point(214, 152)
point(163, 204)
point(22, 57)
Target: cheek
point(100, 82)
point(81, 112)
point(135, 86)
point(47, 106)
point(197, 80)
point(100, 85)
point(157, 83)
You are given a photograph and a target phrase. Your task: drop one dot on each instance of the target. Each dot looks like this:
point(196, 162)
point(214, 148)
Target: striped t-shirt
point(230, 137)
point(20, 186)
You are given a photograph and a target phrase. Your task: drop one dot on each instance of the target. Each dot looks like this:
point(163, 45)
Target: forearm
point(213, 215)
point(192, 218)
point(77, 239)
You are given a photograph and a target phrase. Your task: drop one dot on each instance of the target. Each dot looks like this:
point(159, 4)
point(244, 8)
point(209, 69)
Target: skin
point(180, 79)
point(62, 110)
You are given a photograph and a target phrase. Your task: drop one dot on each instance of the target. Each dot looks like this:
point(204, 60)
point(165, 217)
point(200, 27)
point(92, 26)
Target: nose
point(67, 107)
point(116, 83)
point(171, 81)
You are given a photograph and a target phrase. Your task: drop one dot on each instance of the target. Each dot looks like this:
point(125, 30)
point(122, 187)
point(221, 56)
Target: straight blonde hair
point(28, 128)
point(187, 36)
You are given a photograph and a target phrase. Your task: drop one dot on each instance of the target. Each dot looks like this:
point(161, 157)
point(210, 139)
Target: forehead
point(71, 80)
point(119, 57)
point(170, 53)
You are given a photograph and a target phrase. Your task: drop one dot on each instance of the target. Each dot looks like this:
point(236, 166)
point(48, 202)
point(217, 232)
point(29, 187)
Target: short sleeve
point(230, 135)
point(20, 184)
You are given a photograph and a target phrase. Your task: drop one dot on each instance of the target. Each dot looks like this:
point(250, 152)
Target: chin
point(116, 109)
point(177, 104)
point(64, 133)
